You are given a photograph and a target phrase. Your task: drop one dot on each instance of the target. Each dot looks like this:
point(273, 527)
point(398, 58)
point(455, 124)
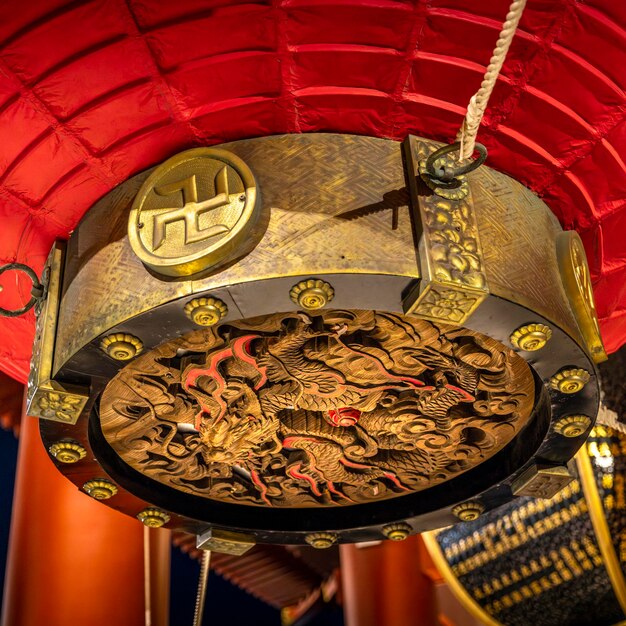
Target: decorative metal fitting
point(541, 481)
point(225, 541)
point(312, 294)
point(121, 346)
point(67, 451)
point(531, 337)
point(321, 540)
point(100, 489)
point(572, 425)
point(153, 517)
point(570, 381)
point(206, 311)
point(442, 173)
point(468, 511)
point(397, 532)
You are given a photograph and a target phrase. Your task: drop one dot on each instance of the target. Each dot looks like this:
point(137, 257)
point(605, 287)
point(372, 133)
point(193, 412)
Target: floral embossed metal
point(304, 410)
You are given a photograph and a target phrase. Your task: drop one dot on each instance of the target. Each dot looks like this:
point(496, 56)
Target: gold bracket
point(454, 283)
point(542, 481)
point(45, 397)
point(225, 541)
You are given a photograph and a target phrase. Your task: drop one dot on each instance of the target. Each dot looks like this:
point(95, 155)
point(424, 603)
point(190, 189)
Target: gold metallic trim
point(468, 511)
point(570, 380)
point(531, 337)
point(600, 526)
point(178, 178)
point(576, 280)
point(225, 542)
point(541, 482)
point(572, 425)
point(67, 451)
point(153, 517)
point(121, 346)
point(454, 282)
point(462, 595)
point(312, 294)
point(397, 532)
point(206, 311)
point(47, 398)
point(100, 489)
point(321, 540)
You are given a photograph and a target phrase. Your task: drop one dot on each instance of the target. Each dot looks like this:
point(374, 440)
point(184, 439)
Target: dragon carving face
point(241, 430)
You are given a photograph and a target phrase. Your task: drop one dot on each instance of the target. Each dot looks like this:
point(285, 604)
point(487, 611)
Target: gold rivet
point(100, 489)
point(153, 517)
point(321, 540)
point(570, 380)
point(121, 346)
point(531, 337)
point(312, 294)
point(67, 451)
point(397, 532)
point(468, 511)
point(206, 311)
point(572, 425)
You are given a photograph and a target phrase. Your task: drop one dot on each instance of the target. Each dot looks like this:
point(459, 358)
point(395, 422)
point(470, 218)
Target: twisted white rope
point(478, 103)
point(202, 585)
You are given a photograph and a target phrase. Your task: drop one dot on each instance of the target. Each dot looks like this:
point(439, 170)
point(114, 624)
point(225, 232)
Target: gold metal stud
point(312, 294)
point(468, 511)
point(100, 489)
point(321, 540)
point(121, 346)
point(570, 380)
point(206, 311)
point(153, 517)
point(397, 532)
point(67, 451)
point(531, 337)
point(572, 425)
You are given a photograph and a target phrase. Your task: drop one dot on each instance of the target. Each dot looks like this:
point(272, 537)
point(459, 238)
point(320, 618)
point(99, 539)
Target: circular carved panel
point(328, 409)
point(192, 211)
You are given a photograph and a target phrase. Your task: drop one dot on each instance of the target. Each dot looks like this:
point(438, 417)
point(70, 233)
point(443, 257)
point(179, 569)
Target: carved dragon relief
point(301, 410)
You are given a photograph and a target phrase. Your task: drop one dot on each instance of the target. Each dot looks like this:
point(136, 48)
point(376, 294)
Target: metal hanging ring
point(449, 176)
point(38, 292)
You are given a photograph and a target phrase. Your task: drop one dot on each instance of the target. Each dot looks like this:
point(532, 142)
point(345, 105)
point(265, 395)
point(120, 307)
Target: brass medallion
point(327, 409)
point(577, 282)
point(193, 212)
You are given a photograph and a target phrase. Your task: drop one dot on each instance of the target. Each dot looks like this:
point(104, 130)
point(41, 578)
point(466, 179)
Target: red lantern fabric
point(93, 92)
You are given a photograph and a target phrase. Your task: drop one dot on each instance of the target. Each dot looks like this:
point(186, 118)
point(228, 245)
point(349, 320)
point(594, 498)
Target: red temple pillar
point(388, 584)
point(71, 560)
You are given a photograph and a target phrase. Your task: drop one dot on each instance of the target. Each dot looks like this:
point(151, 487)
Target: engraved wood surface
point(303, 410)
